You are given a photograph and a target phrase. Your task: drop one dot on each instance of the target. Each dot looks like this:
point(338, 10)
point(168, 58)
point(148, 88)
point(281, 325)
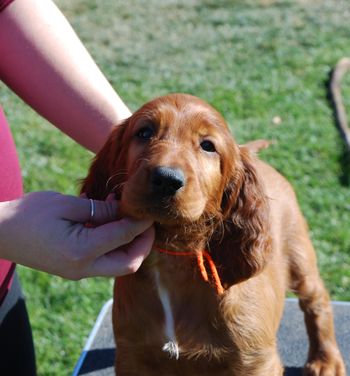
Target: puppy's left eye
point(208, 146)
point(145, 133)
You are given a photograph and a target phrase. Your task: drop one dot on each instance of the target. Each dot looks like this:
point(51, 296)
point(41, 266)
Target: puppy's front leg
point(324, 356)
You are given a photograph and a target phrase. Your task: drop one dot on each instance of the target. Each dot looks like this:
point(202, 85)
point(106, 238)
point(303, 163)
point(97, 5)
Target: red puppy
point(230, 240)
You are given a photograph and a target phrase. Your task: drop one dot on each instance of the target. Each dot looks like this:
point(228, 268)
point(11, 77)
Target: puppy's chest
point(191, 320)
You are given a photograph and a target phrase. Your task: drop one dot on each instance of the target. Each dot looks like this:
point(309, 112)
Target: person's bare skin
point(44, 62)
point(44, 230)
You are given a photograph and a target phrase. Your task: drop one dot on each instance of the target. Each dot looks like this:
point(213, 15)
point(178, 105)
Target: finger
point(110, 197)
point(104, 238)
point(104, 211)
point(124, 261)
point(80, 210)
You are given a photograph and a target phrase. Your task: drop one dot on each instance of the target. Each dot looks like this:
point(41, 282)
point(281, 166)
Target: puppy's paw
point(325, 364)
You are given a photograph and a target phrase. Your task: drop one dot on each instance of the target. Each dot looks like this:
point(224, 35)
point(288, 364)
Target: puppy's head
point(174, 161)
point(166, 162)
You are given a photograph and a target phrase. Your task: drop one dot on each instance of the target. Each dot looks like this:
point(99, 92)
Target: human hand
point(46, 231)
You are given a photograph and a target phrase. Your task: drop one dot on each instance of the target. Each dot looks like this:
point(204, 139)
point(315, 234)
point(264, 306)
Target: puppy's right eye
point(145, 133)
point(208, 146)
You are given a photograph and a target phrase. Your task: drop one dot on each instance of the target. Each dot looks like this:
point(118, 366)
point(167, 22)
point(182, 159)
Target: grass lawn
point(253, 60)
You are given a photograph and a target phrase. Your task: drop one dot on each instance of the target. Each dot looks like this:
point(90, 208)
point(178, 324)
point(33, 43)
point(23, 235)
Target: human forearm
point(44, 62)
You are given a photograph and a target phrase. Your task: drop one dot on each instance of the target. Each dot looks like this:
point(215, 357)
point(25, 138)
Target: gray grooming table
point(98, 355)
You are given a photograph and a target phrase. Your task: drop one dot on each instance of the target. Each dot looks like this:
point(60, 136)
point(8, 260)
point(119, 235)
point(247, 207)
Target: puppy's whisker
point(143, 159)
point(117, 187)
point(114, 176)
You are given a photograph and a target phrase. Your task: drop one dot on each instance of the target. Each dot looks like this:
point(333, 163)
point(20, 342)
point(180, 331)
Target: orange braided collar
point(201, 265)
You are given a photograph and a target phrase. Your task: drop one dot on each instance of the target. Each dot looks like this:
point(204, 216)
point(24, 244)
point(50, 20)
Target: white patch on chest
point(171, 346)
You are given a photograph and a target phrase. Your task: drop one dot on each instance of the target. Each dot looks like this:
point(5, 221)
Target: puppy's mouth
point(164, 211)
point(163, 194)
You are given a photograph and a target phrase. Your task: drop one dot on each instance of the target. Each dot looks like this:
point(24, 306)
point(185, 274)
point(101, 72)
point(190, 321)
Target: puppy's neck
point(182, 238)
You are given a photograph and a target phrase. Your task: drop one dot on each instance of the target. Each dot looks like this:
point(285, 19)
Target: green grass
point(252, 60)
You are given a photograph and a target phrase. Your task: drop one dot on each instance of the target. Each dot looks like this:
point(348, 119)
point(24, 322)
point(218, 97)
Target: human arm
point(44, 62)
point(44, 231)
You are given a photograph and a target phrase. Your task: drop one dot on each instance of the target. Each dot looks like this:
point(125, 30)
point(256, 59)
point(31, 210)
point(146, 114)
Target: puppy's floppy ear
point(107, 167)
point(245, 245)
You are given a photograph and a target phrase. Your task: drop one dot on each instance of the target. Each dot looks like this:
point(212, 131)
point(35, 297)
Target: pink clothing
point(10, 188)
point(4, 4)
point(10, 182)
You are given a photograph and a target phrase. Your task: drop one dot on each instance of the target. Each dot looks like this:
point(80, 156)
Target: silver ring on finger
point(92, 210)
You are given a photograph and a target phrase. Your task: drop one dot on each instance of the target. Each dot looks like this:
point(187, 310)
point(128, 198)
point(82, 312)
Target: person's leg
point(17, 356)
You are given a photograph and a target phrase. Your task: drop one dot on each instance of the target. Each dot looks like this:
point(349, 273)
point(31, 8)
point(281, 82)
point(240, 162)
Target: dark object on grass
point(337, 74)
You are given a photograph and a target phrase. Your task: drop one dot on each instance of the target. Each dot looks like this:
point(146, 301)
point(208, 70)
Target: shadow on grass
point(344, 157)
point(345, 163)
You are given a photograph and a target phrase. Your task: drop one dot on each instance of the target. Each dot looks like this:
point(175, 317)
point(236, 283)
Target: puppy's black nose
point(167, 181)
